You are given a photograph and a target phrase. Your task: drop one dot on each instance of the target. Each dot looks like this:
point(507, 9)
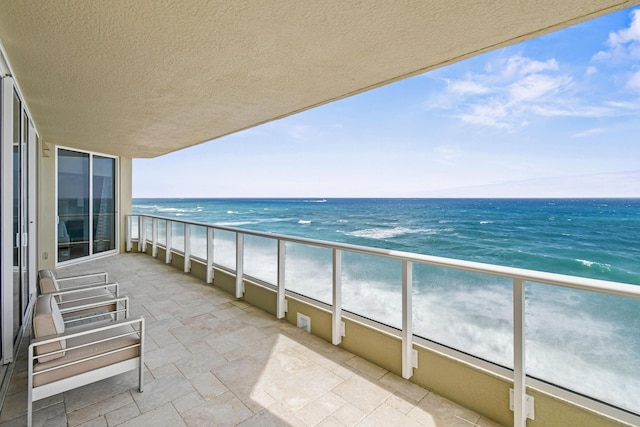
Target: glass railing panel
point(309, 271)
point(177, 236)
point(199, 241)
point(261, 258)
point(372, 287)
point(224, 248)
point(585, 342)
point(148, 229)
point(162, 232)
point(470, 312)
point(134, 227)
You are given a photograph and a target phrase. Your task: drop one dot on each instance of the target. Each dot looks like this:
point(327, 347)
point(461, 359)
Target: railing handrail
point(563, 280)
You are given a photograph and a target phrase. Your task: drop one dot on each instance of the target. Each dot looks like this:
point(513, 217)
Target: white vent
point(304, 322)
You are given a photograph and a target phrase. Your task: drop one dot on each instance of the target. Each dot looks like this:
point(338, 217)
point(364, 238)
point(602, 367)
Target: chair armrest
point(85, 276)
point(80, 288)
point(98, 304)
point(81, 331)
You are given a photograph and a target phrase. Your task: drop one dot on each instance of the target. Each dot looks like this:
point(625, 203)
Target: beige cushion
point(118, 347)
point(47, 282)
point(48, 321)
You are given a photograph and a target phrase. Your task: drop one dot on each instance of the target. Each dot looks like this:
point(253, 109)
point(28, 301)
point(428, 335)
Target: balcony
point(223, 348)
point(212, 359)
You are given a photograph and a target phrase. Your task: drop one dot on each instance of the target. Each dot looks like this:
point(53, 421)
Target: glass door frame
point(116, 206)
point(27, 210)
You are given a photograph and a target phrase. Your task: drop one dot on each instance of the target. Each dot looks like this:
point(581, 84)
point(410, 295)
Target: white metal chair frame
point(84, 378)
point(104, 283)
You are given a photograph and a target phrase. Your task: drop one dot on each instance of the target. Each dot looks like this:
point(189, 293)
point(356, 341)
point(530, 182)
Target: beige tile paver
point(212, 360)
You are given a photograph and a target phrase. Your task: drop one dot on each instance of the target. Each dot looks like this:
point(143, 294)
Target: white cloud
point(631, 34)
point(535, 86)
point(573, 109)
point(493, 115)
point(632, 106)
point(506, 94)
point(589, 132)
point(522, 66)
point(634, 81)
point(468, 87)
point(623, 45)
point(513, 91)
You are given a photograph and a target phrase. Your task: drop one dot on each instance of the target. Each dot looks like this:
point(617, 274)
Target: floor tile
point(362, 392)
point(223, 410)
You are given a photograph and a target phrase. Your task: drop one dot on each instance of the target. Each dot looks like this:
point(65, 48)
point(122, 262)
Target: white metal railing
point(409, 360)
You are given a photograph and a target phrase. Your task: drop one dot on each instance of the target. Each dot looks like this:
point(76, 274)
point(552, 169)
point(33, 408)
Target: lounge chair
point(61, 359)
point(69, 298)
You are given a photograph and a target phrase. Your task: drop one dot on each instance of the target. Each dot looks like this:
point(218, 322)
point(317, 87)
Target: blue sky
point(557, 116)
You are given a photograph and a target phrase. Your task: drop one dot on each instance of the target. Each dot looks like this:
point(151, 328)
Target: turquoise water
point(583, 341)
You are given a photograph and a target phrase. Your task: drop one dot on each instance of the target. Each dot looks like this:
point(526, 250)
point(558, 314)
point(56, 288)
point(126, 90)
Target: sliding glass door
point(17, 215)
point(73, 205)
point(104, 196)
point(86, 204)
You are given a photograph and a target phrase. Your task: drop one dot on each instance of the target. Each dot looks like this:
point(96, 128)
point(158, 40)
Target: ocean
point(582, 341)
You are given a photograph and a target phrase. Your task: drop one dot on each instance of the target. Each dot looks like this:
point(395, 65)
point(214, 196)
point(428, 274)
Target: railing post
point(239, 264)
point(154, 237)
point(408, 361)
point(142, 238)
point(128, 245)
point(281, 300)
point(336, 316)
point(167, 255)
point(187, 248)
point(519, 373)
point(209, 255)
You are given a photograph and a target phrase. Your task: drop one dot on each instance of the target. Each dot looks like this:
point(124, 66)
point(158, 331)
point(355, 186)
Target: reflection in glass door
point(17, 220)
point(73, 205)
point(86, 204)
point(104, 196)
point(20, 235)
point(24, 218)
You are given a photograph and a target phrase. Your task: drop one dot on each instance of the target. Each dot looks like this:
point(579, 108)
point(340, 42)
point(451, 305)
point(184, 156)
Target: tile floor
point(212, 360)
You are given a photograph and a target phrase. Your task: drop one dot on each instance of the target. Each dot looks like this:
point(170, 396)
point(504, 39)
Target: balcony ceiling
point(146, 77)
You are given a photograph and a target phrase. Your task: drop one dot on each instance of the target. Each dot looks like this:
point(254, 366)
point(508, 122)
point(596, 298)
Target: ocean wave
point(145, 207)
point(232, 212)
point(595, 265)
point(171, 210)
point(315, 201)
point(235, 223)
point(304, 222)
point(486, 222)
point(386, 233)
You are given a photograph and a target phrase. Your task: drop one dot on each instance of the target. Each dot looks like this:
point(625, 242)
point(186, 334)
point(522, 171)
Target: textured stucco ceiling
point(146, 77)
